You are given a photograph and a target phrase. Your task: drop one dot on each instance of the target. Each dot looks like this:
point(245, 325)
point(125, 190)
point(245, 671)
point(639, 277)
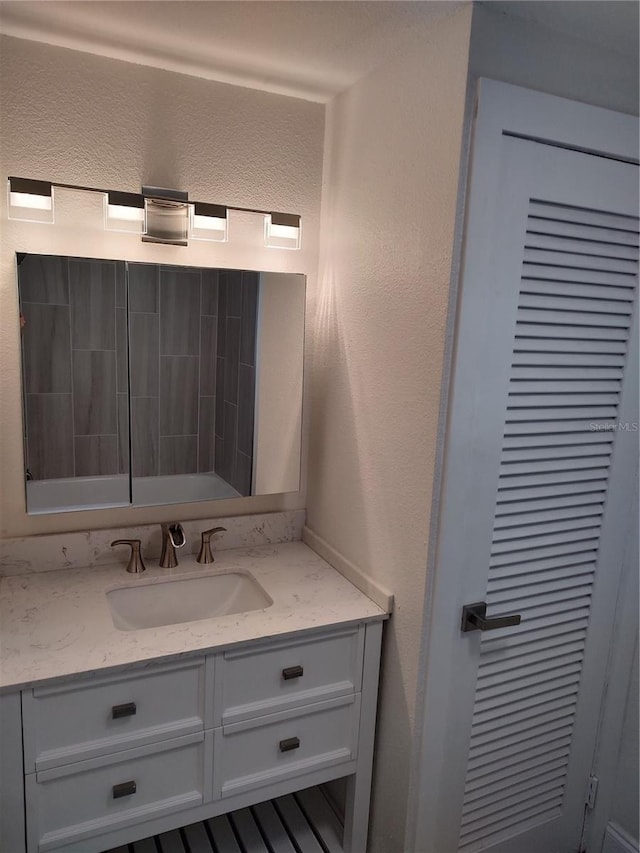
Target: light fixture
point(124, 212)
point(166, 216)
point(30, 201)
point(282, 231)
point(158, 215)
point(208, 222)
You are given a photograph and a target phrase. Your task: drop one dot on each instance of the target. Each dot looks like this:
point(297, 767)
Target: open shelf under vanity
point(304, 822)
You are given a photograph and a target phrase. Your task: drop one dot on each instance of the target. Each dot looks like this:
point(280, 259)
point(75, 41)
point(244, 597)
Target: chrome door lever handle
point(474, 618)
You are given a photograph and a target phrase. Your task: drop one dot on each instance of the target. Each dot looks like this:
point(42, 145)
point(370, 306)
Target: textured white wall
point(76, 118)
point(379, 314)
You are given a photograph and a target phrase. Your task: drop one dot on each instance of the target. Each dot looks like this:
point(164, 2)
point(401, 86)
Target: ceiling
point(305, 48)
point(310, 48)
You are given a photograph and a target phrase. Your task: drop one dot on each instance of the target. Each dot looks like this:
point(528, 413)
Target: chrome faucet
point(135, 565)
point(172, 537)
point(205, 555)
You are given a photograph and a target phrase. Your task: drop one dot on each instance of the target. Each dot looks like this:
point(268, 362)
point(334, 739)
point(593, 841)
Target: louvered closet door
point(555, 354)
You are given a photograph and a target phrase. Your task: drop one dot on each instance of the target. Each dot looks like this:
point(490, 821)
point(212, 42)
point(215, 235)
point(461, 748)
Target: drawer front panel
point(90, 718)
point(285, 745)
point(84, 800)
point(265, 679)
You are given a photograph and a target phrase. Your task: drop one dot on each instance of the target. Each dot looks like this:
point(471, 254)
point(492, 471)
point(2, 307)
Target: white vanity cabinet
point(112, 759)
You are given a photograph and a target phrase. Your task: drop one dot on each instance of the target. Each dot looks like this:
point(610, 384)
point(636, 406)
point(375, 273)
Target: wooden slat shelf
point(303, 822)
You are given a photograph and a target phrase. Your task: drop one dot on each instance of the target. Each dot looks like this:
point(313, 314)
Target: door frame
point(500, 109)
point(614, 705)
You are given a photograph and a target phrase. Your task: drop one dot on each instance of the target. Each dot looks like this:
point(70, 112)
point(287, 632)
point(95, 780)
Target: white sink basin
point(169, 601)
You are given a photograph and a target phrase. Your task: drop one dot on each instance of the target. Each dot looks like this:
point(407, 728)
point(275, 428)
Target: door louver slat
point(571, 288)
point(520, 672)
point(559, 451)
point(510, 582)
point(532, 792)
point(487, 787)
point(510, 816)
point(577, 347)
point(502, 767)
point(499, 713)
point(577, 262)
point(541, 553)
point(560, 369)
point(533, 298)
point(570, 344)
point(522, 726)
point(577, 519)
point(562, 705)
point(583, 216)
point(599, 245)
point(543, 585)
point(545, 773)
point(517, 659)
point(532, 328)
point(541, 224)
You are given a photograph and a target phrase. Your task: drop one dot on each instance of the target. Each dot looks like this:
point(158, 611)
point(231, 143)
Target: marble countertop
point(57, 624)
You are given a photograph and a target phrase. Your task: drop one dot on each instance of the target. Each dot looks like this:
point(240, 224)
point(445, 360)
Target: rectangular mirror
point(147, 384)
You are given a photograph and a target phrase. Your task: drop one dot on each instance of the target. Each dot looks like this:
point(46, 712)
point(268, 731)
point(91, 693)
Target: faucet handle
point(205, 555)
point(135, 564)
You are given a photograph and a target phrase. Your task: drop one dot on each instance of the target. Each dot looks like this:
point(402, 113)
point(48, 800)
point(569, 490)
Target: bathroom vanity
point(116, 734)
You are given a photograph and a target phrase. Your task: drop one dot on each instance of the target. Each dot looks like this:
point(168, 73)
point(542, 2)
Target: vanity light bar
point(209, 222)
point(124, 212)
point(32, 200)
point(282, 231)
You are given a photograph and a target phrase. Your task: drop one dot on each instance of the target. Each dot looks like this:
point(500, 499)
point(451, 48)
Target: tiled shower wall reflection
point(192, 400)
point(73, 318)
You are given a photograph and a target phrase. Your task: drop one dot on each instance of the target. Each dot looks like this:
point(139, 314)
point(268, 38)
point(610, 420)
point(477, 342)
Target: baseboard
point(616, 840)
point(382, 597)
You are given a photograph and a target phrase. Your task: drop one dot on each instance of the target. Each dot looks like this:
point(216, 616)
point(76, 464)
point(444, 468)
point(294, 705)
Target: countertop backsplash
point(91, 548)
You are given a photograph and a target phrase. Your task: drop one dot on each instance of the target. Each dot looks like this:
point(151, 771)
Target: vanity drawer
point(270, 677)
point(270, 749)
point(85, 800)
point(84, 719)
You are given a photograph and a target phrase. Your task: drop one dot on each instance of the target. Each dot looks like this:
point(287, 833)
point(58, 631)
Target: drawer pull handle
point(126, 710)
point(289, 744)
point(124, 789)
point(292, 672)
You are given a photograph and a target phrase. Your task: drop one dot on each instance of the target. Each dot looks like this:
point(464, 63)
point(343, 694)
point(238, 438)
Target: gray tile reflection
point(179, 454)
point(96, 455)
point(45, 346)
point(144, 354)
point(93, 302)
point(144, 436)
point(209, 303)
point(206, 434)
point(50, 436)
point(94, 393)
point(143, 288)
point(43, 278)
point(208, 350)
point(178, 395)
point(179, 312)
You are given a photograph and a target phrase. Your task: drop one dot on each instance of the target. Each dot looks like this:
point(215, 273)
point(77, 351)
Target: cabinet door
point(255, 753)
point(272, 676)
point(88, 799)
point(87, 717)
point(11, 775)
